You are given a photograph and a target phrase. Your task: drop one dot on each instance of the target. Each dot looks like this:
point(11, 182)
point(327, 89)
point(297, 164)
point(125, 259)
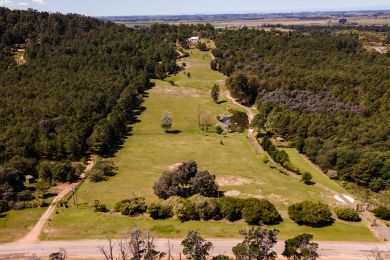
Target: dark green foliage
point(300, 248)
point(220, 257)
point(186, 181)
point(209, 209)
point(187, 211)
point(215, 93)
point(131, 207)
point(3, 206)
point(159, 210)
point(99, 207)
point(306, 178)
point(322, 90)
point(195, 247)
point(202, 46)
point(310, 213)
point(257, 244)
point(11, 181)
point(382, 212)
point(57, 172)
point(258, 212)
point(347, 214)
point(231, 208)
point(25, 195)
point(279, 156)
point(101, 170)
point(244, 87)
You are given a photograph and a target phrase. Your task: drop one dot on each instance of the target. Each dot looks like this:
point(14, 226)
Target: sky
point(170, 7)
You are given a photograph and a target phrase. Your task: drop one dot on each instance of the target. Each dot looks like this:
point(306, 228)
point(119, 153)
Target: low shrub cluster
point(99, 207)
point(310, 213)
point(101, 170)
point(347, 214)
point(382, 213)
point(131, 207)
point(253, 211)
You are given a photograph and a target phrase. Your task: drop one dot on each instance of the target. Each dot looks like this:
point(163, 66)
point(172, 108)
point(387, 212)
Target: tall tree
point(300, 248)
point(195, 247)
point(166, 121)
point(215, 93)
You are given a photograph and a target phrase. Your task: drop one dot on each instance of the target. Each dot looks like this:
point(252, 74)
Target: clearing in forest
point(148, 151)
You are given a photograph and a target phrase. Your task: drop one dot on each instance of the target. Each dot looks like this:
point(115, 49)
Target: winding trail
point(33, 235)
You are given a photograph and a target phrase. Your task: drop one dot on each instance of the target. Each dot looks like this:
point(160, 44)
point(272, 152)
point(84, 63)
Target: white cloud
point(5, 2)
point(39, 2)
point(23, 4)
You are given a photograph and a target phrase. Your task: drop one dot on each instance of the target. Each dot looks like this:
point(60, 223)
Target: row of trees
point(257, 243)
point(320, 89)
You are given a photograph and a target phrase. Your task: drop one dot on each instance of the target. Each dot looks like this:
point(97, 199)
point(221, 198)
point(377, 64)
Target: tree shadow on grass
point(221, 102)
point(3, 215)
point(173, 132)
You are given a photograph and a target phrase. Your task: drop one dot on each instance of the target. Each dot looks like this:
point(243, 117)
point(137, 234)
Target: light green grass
point(299, 161)
point(149, 151)
point(15, 224)
point(100, 226)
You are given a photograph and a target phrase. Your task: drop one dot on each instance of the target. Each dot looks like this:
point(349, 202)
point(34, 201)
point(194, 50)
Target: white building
point(194, 39)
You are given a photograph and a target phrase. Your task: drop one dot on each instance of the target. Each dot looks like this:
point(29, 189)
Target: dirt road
point(33, 235)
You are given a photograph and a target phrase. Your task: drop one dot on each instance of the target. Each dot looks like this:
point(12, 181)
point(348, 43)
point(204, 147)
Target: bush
point(231, 208)
point(258, 212)
point(187, 211)
point(220, 257)
point(99, 207)
point(209, 209)
point(314, 214)
point(25, 195)
point(265, 158)
point(218, 129)
point(306, 178)
point(347, 214)
point(3, 206)
point(382, 212)
point(158, 210)
point(131, 207)
point(96, 175)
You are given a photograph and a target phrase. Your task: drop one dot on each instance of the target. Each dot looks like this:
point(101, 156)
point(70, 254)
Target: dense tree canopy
point(320, 89)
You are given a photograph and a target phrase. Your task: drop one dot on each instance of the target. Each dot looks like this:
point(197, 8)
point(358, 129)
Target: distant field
point(148, 151)
point(16, 223)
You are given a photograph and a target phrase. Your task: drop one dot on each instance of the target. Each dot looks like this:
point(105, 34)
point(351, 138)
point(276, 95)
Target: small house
point(194, 39)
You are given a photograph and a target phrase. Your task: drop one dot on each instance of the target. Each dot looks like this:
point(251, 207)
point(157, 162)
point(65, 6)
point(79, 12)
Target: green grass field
point(16, 223)
point(149, 151)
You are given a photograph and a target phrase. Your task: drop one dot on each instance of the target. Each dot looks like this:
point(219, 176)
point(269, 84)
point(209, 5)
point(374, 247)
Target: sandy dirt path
point(33, 235)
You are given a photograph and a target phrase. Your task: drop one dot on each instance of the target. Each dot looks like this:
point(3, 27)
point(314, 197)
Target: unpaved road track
point(90, 249)
point(33, 235)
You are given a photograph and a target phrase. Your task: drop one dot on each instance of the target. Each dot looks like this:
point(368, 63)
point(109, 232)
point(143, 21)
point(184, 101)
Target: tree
point(307, 177)
point(258, 212)
point(300, 248)
point(203, 183)
point(215, 93)
point(195, 247)
point(310, 213)
point(257, 244)
point(347, 214)
point(166, 122)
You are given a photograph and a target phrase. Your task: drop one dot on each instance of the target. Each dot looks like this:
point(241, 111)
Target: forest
point(318, 88)
point(82, 82)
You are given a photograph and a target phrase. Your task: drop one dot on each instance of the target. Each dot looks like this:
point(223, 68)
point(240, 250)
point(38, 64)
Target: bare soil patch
point(235, 181)
point(176, 91)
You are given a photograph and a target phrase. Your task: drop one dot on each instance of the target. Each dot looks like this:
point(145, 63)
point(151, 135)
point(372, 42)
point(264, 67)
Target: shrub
point(265, 158)
point(187, 211)
point(314, 214)
point(257, 212)
point(99, 207)
point(306, 178)
point(347, 214)
point(209, 209)
point(218, 129)
point(158, 210)
point(220, 257)
point(131, 207)
point(96, 175)
point(3, 206)
point(231, 208)
point(25, 195)
point(382, 212)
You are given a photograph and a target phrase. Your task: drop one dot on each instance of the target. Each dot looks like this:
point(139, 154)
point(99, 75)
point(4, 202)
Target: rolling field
point(148, 151)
